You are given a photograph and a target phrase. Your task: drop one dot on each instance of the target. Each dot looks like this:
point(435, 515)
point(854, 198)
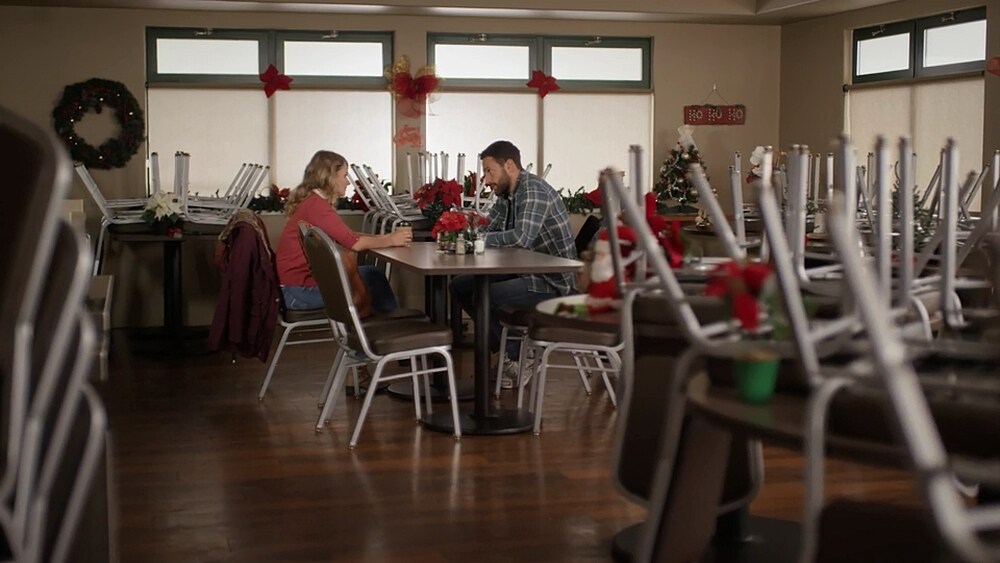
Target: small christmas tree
point(674, 183)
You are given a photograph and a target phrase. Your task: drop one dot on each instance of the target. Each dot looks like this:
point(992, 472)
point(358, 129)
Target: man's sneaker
point(509, 376)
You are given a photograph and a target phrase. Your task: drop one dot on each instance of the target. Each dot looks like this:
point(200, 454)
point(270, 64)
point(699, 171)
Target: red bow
point(411, 92)
point(544, 83)
point(274, 80)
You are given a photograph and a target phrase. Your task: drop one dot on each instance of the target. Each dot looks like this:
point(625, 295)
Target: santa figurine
point(603, 289)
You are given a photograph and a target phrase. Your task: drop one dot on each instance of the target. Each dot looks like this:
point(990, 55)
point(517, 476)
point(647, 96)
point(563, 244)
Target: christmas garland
point(96, 94)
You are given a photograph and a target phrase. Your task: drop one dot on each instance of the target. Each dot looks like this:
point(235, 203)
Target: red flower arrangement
point(743, 286)
point(454, 222)
point(435, 198)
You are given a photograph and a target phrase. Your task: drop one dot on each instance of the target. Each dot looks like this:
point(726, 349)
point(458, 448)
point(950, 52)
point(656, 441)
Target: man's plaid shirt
point(534, 218)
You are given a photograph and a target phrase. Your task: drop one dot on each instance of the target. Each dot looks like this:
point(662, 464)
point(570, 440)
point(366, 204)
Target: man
point(530, 214)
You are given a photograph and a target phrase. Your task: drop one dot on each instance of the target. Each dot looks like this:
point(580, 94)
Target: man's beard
point(504, 184)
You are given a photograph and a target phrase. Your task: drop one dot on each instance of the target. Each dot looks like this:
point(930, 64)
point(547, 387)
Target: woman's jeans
point(298, 297)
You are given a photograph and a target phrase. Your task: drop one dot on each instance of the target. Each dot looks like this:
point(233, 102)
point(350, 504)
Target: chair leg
point(427, 386)
point(337, 358)
point(274, 362)
point(503, 351)
point(521, 359)
point(453, 395)
point(415, 383)
point(539, 388)
point(331, 398)
point(582, 367)
point(367, 404)
point(99, 251)
point(616, 364)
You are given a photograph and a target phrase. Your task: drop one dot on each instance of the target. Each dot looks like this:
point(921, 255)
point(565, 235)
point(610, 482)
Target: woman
point(324, 181)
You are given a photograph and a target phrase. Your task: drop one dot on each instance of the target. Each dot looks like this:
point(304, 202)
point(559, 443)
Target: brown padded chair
point(380, 343)
point(583, 339)
point(312, 321)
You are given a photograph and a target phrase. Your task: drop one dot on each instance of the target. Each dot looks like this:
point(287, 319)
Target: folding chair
point(113, 212)
point(37, 172)
point(381, 343)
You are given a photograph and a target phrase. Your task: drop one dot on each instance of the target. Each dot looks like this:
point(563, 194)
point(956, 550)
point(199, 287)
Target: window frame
point(945, 20)
point(872, 32)
point(533, 44)
point(644, 44)
point(386, 38)
point(916, 28)
point(153, 76)
point(540, 58)
point(270, 51)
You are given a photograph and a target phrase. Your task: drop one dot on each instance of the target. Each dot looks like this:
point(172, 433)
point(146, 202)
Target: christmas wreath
point(96, 94)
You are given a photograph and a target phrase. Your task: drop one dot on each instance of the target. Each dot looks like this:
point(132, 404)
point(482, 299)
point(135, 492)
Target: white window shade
point(469, 122)
point(879, 111)
point(579, 142)
point(355, 124)
point(220, 128)
point(927, 113)
point(207, 56)
point(315, 58)
point(949, 109)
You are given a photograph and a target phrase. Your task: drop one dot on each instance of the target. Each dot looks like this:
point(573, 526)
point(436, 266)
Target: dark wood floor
point(200, 471)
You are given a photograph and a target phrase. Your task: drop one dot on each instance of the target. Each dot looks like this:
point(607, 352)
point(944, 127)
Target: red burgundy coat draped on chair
point(246, 310)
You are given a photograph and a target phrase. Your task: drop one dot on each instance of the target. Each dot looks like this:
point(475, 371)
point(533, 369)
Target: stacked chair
point(855, 370)
point(203, 210)
point(53, 424)
point(215, 210)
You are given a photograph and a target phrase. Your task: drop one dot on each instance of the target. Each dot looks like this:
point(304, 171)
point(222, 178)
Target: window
point(480, 60)
point(338, 102)
point(610, 73)
point(945, 44)
point(205, 55)
point(598, 62)
point(951, 43)
point(507, 60)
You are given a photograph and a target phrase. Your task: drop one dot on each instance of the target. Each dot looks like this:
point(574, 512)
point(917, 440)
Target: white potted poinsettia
point(163, 212)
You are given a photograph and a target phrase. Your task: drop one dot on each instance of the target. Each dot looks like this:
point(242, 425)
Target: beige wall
point(48, 48)
point(816, 63)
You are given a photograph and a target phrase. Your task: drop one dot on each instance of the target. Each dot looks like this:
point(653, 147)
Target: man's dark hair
point(502, 151)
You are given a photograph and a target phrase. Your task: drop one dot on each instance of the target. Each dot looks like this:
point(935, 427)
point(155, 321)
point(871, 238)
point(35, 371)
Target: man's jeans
point(504, 290)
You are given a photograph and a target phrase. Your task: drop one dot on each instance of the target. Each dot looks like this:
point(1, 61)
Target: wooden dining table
point(424, 258)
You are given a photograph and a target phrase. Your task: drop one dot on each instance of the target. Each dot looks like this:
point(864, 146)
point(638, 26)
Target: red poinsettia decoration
point(437, 197)
point(742, 285)
point(667, 234)
point(274, 80)
point(594, 197)
point(411, 90)
point(543, 83)
point(450, 222)
point(358, 203)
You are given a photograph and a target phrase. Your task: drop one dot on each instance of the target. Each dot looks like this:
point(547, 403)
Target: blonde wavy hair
point(319, 174)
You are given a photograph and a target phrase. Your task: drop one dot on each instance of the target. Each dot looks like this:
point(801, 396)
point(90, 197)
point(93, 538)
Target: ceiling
point(762, 12)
